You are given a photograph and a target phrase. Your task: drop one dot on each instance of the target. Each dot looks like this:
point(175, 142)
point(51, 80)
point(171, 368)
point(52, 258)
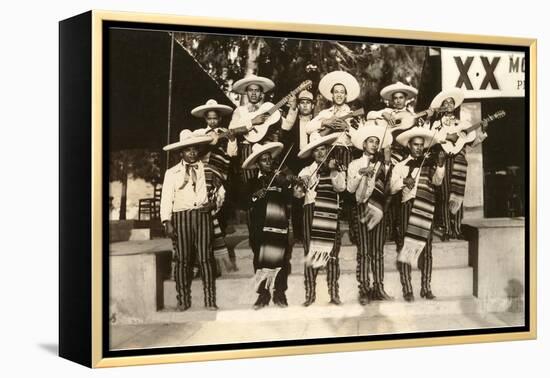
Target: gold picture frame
point(82, 281)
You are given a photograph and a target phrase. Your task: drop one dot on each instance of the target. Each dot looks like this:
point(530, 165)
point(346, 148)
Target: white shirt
point(401, 171)
point(289, 121)
point(357, 182)
point(315, 124)
point(377, 114)
point(338, 182)
point(178, 197)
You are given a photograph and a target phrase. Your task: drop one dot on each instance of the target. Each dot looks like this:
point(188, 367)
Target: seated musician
point(322, 183)
point(269, 197)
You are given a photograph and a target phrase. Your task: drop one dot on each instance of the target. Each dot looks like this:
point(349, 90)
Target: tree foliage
point(287, 61)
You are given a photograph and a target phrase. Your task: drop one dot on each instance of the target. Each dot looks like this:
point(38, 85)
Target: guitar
point(405, 120)
point(355, 113)
point(259, 131)
point(457, 136)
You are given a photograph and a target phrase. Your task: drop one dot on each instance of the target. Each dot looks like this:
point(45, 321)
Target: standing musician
point(294, 126)
point(321, 184)
point(450, 195)
point(186, 205)
point(415, 178)
point(397, 96)
point(341, 88)
point(367, 178)
point(218, 157)
point(255, 88)
point(269, 196)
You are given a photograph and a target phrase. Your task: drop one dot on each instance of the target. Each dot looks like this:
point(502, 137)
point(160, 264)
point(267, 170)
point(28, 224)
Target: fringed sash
point(324, 225)
point(420, 220)
point(370, 199)
point(221, 253)
point(458, 181)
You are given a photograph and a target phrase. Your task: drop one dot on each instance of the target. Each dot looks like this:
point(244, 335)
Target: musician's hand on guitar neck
point(259, 119)
point(292, 102)
point(484, 123)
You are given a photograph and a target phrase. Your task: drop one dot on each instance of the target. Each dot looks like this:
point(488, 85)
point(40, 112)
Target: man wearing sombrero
point(415, 178)
point(450, 195)
point(186, 205)
point(322, 184)
point(269, 190)
point(340, 88)
point(255, 88)
point(218, 159)
point(367, 177)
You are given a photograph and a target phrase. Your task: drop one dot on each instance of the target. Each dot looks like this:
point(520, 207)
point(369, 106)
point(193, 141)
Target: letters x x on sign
point(464, 67)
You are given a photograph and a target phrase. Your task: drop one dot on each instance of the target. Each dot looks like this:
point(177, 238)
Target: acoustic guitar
point(258, 132)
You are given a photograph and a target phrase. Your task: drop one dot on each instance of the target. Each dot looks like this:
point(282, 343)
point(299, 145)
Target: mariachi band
point(392, 172)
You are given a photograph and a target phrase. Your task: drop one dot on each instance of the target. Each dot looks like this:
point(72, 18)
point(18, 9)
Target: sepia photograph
point(281, 189)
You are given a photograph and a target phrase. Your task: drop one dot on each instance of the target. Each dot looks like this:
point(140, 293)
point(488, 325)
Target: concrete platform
point(228, 331)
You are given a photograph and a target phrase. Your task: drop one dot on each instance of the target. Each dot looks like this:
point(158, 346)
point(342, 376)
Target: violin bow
point(280, 165)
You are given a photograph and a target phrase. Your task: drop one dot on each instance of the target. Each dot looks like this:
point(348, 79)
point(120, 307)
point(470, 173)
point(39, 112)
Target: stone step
point(452, 254)
point(234, 292)
point(323, 310)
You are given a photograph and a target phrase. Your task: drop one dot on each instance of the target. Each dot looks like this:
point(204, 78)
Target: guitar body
point(403, 121)
point(259, 131)
point(453, 148)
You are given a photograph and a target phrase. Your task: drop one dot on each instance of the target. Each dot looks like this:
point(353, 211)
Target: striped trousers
point(333, 265)
point(451, 223)
point(370, 255)
point(425, 259)
point(193, 242)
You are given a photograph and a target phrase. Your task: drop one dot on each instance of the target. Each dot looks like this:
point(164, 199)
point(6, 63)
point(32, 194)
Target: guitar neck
point(477, 125)
point(284, 100)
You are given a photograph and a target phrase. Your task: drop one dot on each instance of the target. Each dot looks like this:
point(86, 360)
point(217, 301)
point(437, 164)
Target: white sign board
point(483, 73)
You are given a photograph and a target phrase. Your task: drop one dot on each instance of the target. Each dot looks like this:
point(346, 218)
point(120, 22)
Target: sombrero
point(339, 77)
point(456, 94)
point(371, 129)
point(387, 92)
point(201, 110)
point(258, 150)
point(316, 140)
point(241, 85)
point(188, 138)
point(413, 132)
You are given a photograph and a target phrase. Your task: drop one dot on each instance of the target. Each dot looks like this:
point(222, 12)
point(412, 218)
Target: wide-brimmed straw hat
point(188, 138)
point(456, 94)
point(387, 92)
point(201, 110)
point(241, 85)
point(427, 134)
point(258, 150)
point(339, 77)
point(372, 130)
point(316, 140)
